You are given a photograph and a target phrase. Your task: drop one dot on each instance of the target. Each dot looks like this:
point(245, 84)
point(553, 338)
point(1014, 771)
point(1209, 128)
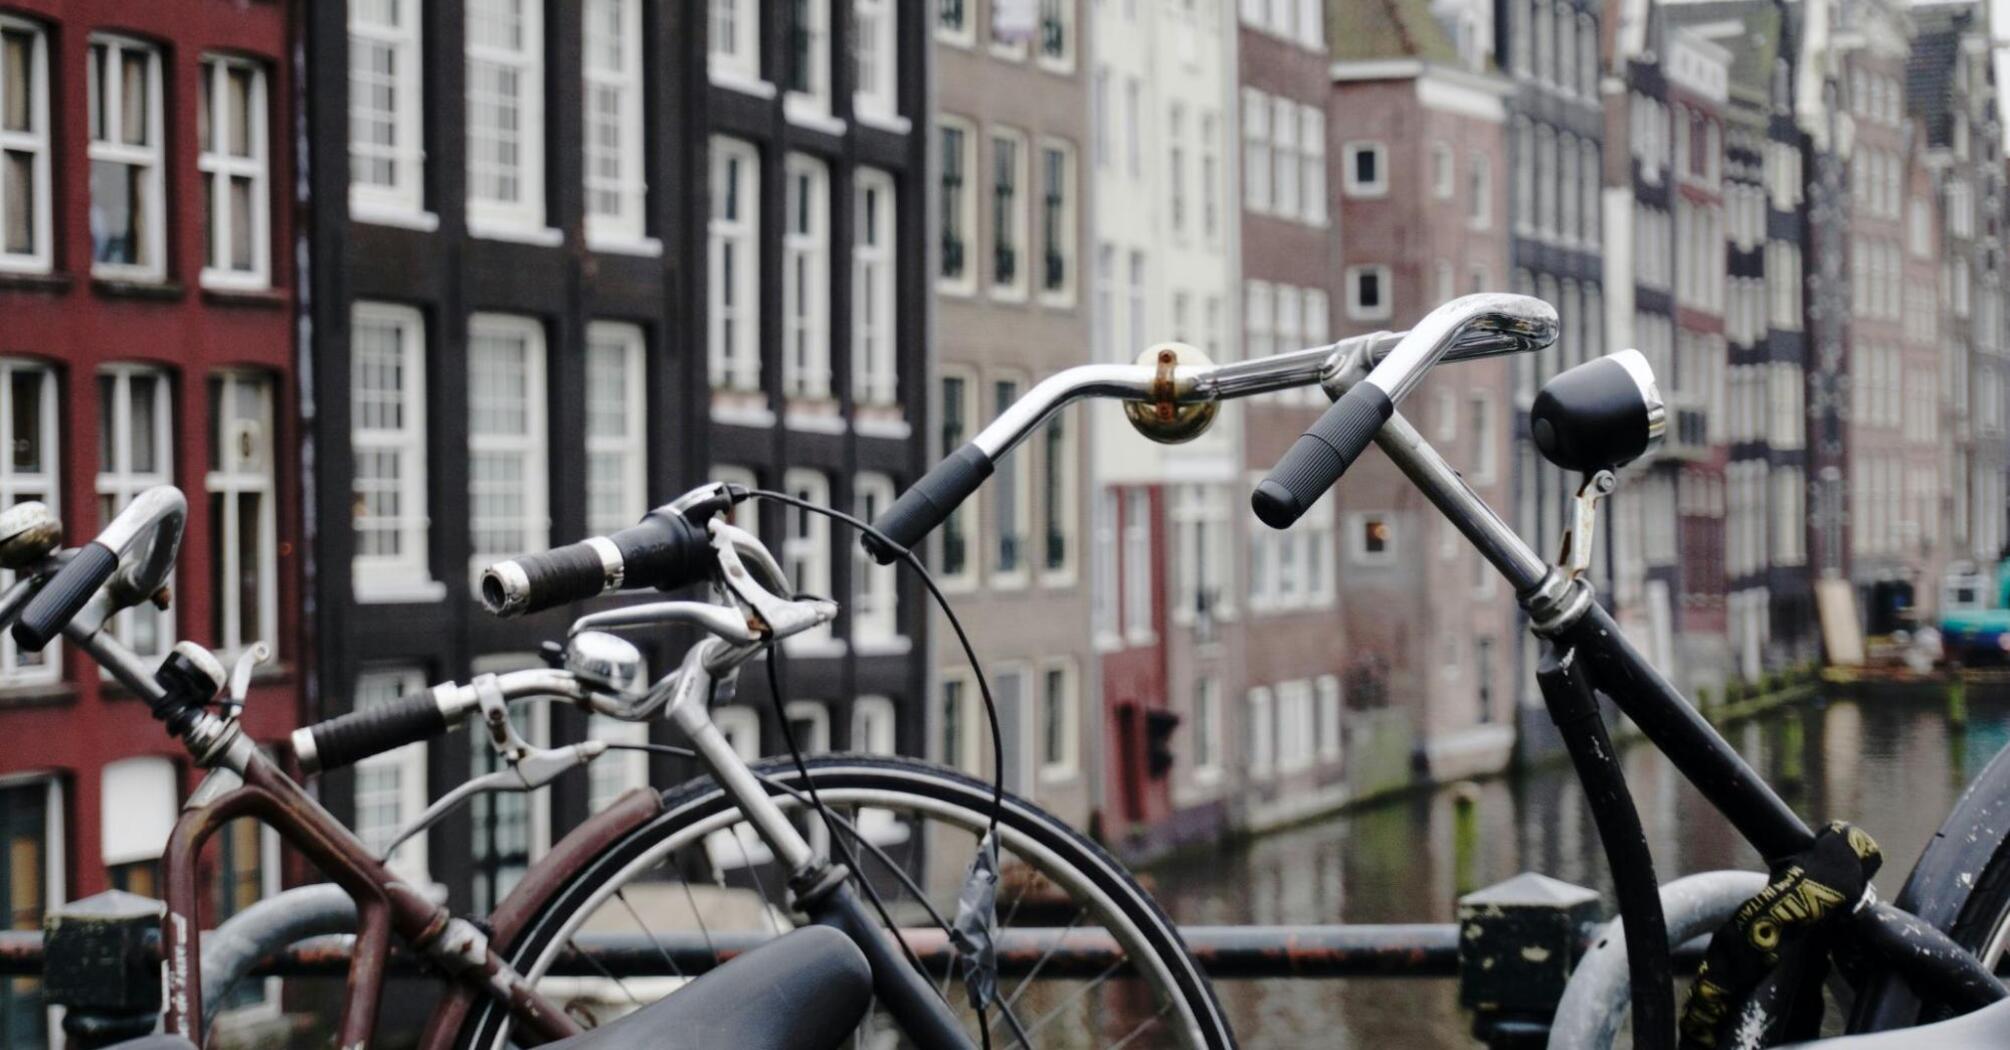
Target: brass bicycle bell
point(1161, 418)
point(29, 532)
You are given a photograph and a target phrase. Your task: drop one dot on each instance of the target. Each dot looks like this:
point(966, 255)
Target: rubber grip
point(1320, 455)
point(357, 735)
point(64, 595)
point(563, 575)
point(930, 502)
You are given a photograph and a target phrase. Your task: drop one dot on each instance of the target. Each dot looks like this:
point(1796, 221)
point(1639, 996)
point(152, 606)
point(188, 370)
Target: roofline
point(1359, 70)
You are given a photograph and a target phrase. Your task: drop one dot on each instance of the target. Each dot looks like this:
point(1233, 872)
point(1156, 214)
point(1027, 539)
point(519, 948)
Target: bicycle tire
point(698, 808)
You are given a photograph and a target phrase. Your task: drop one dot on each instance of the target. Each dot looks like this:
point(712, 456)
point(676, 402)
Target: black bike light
point(1599, 415)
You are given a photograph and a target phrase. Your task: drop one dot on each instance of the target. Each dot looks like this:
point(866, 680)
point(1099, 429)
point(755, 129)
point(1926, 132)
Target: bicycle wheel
point(698, 874)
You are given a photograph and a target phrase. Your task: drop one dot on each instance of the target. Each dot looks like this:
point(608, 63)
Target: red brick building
point(146, 269)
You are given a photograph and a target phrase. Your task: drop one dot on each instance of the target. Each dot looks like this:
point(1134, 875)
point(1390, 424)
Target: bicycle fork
point(822, 890)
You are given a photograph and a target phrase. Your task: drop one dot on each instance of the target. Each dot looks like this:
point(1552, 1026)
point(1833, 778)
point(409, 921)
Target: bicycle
point(1936, 951)
point(756, 828)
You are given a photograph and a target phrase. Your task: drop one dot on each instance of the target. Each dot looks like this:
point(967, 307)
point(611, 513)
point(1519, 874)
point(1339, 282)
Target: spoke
point(759, 886)
point(1012, 1021)
point(605, 972)
point(1142, 1025)
point(1071, 1000)
point(621, 895)
point(698, 915)
point(1042, 964)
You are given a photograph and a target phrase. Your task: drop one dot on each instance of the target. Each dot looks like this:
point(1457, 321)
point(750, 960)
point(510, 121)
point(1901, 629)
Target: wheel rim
point(1173, 1020)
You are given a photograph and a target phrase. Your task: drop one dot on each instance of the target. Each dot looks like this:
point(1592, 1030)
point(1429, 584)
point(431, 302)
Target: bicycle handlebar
point(347, 739)
point(1329, 446)
point(158, 513)
point(665, 550)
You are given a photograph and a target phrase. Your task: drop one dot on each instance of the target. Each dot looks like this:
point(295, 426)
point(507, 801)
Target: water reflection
point(1893, 766)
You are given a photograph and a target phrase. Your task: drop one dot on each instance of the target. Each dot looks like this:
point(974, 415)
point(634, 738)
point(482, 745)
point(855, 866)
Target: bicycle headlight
point(1599, 415)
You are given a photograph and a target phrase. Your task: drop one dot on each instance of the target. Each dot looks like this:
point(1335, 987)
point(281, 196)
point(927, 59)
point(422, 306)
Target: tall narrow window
point(1103, 609)
point(806, 59)
point(1139, 625)
point(386, 155)
point(874, 617)
point(128, 224)
point(613, 121)
point(507, 510)
point(505, 82)
point(387, 419)
point(244, 556)
point(806, 246)
point(1057, 504)
point(1205, 736)
point(28, 471)
point(1057, 221)
point(875, 36)
point(509, 828)
point(958, 205)
point(734, 41)
point(1256, 150)
point(1176, 169)
point(1057, 33)
point(135, 453)
point(1008, 212)
point(1285, 170)
point(617, 484)
point(875, 367)
point(1011, 499)
point(732, 290)
point(1060, 729)
point(958, 405)
point(1210, 177)
point(24, 146)
point(1312, 157)
point(230, 132)
point(806, 541)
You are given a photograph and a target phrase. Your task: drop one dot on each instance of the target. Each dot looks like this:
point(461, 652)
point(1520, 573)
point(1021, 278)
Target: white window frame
point(621, 345)
point(965, 281)
point(1136, 547)
point(1064, 511)
point(1485, 466)
point(875, 23)
point(1285, 164)
point(970, 738)
point(118, 481)
point(875, 362)
point(738, 65)
point(965, 517)
point(1069, 764)
point(18, 668)
point(745, 515)
point(34, 141)
point(1329, 715)
point(403, 201)
point(963, 35)
point(1298, 721)
point(735, 361)
point(409, 763)
point(812, 107)
point(806, 253)
point(1260, 733)
point(152, 157)
point(1480, 208)
point(1206, 748)
point(875, 610)
point(524, 217)
point(1355, 308)
point(229, 478)
point(1256, 154)
point(1062, 11)
point(1312, 158)
point(1069, 234)
point(407, 577)
point(1105, 608)
point(806, 550)
point(1017, 225)
point(874, 726)
point(626, 226)
point(223, 166)
point(1444, 170)
point(531, 445)
point(1349, 180)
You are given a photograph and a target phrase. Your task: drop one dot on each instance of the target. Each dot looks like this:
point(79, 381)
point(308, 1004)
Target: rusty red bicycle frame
point(385, 905)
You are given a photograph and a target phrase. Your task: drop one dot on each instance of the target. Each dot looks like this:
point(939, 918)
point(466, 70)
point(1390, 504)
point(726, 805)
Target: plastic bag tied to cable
point(975, 931)
point(1761, 976)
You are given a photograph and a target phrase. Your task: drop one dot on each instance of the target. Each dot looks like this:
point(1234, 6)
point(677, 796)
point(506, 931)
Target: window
point(1480, 199)
point(508, 513)
point(1134, 126)
point(1486, 454)
point(1312, 158)
point(875, 49)
point(28, 472)
point(230, 132)
point(1256, 150)
point(1103, 612)
point(505, 115)
point(1371, 539)
point(1205, 729)
point(391, 787)
point(806, 248)
point(960, 724)
point(1101, 105)
point(959, 206)
point(1138, 328)
point(244, 557)
point(873, 610)
point(1260, 745)
point(1107, 347)
point(1284, 168)
point(387, 420)
point(1201, 534)
point(1210, 178)
point(135, 453)
point(1012, 495)
point(746, 515)
point(734, 40)
point(617, 483)
point(806, 543)
point(1444, 182)
point(1368, 293)
point(1060, 721)
point(1057, 222)
point(733, 339)
point(806, 48)
point(1008, 212)
point(509, 828)
point(1365, 175)
point(31, 834)
point(874, 365)
point(1057, 37)
point(25, 210)
point(613, 122)
point(386, 156)
point(1137, 538)
point(137, 798)
point(1057, 504)
point(959, 406)
point(128, 221)
point(616, 772)
point(1296, 725)
point(1327, 689)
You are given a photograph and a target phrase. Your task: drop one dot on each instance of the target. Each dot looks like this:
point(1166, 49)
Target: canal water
point(1892, 766)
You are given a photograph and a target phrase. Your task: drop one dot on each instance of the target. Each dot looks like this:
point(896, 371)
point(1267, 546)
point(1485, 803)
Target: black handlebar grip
point(930, 502)
point(559, 576)
point(357, 735)
point(64, 595)
point(1320, 455)
point(664, 550)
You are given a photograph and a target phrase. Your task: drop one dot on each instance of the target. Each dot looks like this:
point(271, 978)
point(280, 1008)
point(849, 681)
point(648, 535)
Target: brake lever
point(769, 615)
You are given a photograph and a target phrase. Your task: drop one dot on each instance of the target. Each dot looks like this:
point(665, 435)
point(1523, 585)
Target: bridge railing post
point(102, 967)
point(1517, 943)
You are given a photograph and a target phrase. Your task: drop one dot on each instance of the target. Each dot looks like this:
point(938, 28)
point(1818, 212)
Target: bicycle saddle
point(1984, 1029)
point(805, 990)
